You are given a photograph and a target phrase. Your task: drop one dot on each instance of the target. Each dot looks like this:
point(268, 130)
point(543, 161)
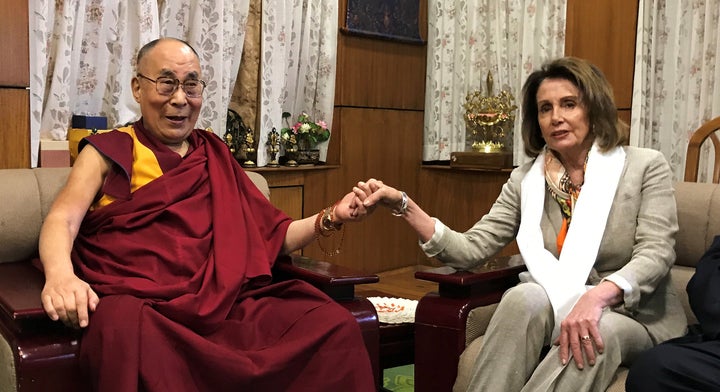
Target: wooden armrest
point(20, 287)
point(441, 318)
point(495, 275)
point(336, 281)
point(20, 306)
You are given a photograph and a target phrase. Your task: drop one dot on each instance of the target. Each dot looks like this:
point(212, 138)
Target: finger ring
point(585, 338)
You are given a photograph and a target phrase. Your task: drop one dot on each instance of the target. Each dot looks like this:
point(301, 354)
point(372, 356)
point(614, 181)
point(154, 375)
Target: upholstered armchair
point(450, 323)
point(37, 354)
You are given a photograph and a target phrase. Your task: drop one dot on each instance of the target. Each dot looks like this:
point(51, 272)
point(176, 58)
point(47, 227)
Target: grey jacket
point(638, 243)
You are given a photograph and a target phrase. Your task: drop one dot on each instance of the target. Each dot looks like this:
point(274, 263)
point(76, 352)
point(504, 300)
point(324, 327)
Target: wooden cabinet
point(286, 190)
point(14, 82)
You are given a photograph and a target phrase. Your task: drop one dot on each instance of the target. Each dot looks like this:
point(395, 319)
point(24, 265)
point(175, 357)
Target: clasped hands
point(363, 199)
point(374, 192)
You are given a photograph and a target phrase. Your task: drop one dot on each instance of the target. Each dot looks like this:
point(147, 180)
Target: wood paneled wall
point(377, 132)
point(15, 131)
point(14, 82)
point(604, 33)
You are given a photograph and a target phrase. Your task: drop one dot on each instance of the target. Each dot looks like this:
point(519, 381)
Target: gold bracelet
point(328, 220)
point(325, 227)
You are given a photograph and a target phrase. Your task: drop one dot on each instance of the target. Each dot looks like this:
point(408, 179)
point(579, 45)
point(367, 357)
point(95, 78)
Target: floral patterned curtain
point(298, 62)
point(469, 38)
point(82, 57)
point(677, 77)
point(216, 29)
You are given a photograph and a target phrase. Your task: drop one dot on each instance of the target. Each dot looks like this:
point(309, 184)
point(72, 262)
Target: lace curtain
point(677, 77)
point(297, 66)
point(468, 38)
point(82, 57)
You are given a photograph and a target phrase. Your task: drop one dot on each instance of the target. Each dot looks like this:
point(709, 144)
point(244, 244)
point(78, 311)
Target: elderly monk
point(160, 247)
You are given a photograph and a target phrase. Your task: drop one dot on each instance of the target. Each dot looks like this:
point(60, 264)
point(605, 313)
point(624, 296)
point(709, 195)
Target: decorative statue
point(273, 147)
point(249, 149)
point(291, 151)
point(489, 118)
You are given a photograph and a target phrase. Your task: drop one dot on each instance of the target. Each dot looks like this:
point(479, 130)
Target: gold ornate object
point(291, 152)
point(239, 139)
point(488, 118)
point(273, 148)
point(249, 150)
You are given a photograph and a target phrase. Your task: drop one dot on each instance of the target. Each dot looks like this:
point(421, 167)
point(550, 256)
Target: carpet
point(399, 379)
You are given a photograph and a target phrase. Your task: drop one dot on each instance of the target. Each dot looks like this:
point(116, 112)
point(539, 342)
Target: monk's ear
point(135, 84)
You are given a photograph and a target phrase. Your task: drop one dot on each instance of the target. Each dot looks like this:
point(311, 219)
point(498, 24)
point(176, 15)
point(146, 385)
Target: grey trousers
point(522, 324)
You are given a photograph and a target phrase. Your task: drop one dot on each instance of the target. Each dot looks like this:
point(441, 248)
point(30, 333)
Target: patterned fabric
point(468, 39)
point(677, 79)
point(82, 57)
point(562, 190)
point(298, 62)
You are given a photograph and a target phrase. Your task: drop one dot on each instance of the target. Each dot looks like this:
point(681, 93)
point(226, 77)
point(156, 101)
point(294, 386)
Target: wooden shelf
point(448, 167)
point(291, 169)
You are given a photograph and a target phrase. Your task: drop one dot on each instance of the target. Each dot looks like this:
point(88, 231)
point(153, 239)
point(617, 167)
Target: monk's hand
point(349, 209)
point(69, 299)
point(579, 332)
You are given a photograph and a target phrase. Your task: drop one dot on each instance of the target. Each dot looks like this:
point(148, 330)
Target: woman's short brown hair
point(596, 96)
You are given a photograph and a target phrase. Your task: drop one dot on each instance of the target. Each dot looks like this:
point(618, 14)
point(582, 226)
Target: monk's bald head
point(147, 48)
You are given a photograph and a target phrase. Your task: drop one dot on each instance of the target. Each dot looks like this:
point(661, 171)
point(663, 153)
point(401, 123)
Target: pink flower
point(321, 124)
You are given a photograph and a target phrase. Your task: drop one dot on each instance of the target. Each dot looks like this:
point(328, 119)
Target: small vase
point(308, 157)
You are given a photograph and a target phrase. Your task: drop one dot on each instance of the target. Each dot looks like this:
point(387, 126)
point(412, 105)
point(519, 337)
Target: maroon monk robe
point(182, 266)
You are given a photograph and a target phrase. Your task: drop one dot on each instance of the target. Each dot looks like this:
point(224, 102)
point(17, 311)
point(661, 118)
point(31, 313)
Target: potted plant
point(301, 138)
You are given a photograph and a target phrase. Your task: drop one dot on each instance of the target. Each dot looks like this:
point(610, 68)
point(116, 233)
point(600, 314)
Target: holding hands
point(374, 192)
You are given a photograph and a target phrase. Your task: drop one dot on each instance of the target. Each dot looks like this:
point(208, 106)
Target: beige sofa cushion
point(26, 196)
point(698, 207)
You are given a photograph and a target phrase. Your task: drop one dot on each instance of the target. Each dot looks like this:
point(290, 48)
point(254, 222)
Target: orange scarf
point(563, 191)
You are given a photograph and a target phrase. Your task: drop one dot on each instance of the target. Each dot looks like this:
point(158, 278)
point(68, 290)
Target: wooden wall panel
point(15, 131)
point(384, 144)
point(459, 198)
point(15, 60)
point(380, 73)
point(603, 32)
point(14, 79)
point(624, 114)
point(288, 199)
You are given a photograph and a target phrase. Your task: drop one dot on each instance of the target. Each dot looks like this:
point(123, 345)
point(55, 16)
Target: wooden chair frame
point(692, 158)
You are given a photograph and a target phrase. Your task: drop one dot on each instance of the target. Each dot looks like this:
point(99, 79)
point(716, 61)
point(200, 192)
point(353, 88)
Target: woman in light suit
point(594, 221)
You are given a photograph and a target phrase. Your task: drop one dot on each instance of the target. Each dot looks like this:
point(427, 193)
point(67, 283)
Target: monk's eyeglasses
point(167, 86)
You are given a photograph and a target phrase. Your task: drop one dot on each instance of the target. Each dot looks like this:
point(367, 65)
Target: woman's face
point(563, 118)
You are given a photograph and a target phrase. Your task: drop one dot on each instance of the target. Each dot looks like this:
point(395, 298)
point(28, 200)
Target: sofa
point(37, 354)
point(450, 323)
